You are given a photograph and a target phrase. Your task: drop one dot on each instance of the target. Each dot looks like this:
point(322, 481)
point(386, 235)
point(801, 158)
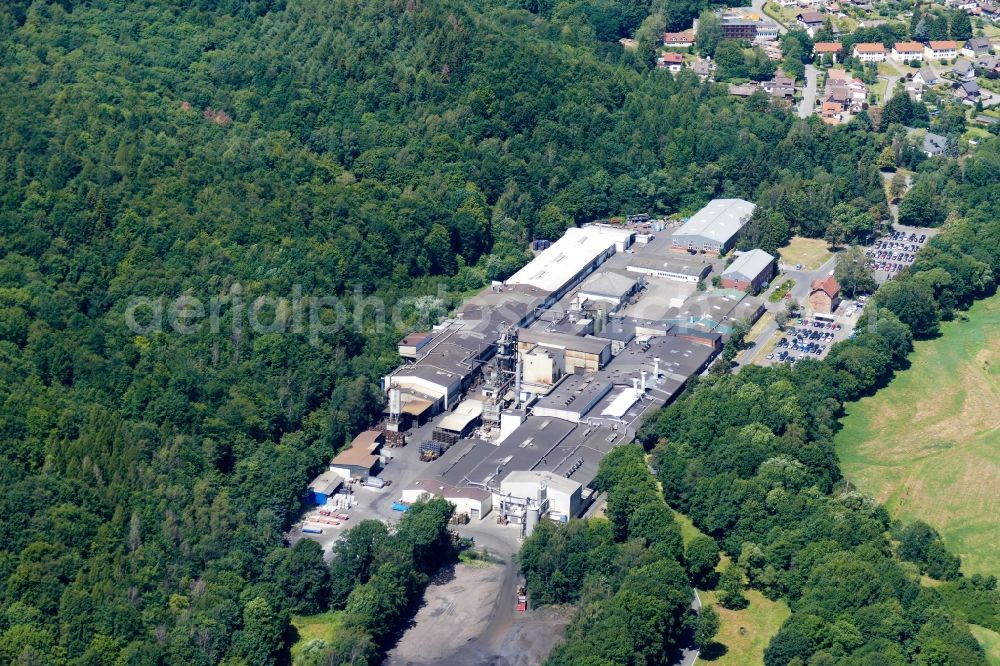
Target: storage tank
point(531, 519)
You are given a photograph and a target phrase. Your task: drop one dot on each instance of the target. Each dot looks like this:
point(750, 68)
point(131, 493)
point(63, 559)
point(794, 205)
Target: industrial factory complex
point(512, 401)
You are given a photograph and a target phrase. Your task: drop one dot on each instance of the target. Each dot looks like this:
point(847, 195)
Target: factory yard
point(448, 628)
point(506, 408)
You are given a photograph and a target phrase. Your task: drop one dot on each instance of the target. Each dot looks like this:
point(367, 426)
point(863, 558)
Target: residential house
point(964, 71)
point(830, 49)
point(926, 77)
point(833, 8)
point(942, 50)
point(811, 22)
point(832, 113)
point(672, 62)
point(976, 46)
point(967, 92)
point(986, 63)
point(988, 10)
point(844, 89)
point(915, 89)
point(869, 52)
point(702, 67)
point(781, 85)
point(907, 51)
point(934, 144)
point(824, 295)
point(678, 40)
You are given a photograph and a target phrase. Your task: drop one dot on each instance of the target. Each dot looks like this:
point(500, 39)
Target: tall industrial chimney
point(643, 381)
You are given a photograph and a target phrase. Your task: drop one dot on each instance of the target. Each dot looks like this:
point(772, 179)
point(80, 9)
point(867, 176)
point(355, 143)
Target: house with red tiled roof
point(943, 50)
point(824, 295)
point(907, 51)
point(827, 49)
point(672, 62)
point(678, 40)
point(870, 52)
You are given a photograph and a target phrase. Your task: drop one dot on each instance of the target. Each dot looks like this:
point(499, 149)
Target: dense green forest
point(233, 150)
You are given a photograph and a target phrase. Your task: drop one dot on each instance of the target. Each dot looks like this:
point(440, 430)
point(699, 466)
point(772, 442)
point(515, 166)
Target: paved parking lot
point(807, 338)
point(894, 252)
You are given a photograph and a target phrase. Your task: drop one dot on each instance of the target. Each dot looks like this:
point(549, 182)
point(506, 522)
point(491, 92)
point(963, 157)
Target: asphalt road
point(809, 91)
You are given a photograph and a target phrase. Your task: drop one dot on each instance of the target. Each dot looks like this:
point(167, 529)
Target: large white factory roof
point(556, 266)
point(719, 220)
point(553, 481)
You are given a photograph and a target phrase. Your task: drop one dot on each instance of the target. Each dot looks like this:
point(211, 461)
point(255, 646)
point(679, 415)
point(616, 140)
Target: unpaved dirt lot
point(464, 622)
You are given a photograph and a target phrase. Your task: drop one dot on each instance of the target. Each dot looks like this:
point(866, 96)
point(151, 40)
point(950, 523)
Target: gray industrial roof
point(562, 341)
point(673, 263)
point(477, 462)
point(718, 221)
point(576, 393)
point(609, 284)
point(491, 308)
point(749, 265)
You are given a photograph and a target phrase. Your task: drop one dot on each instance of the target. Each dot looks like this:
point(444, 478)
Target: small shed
point(324, 486)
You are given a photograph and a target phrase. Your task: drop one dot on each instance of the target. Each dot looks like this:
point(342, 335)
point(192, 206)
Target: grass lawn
point(990, 640)
point(744, 634)
point(688, 530)
point(810, 252)
point(928, 445)
point(312, 627)
point(879, 89)
point(781, 290)
point(888, 68)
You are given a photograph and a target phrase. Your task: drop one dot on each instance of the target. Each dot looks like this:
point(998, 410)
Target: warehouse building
point(572, 258)
point(411, 346)
point(323, 487)
point(674, 267)
point(461, 422)
point(446, 368)
point(749, 271)
point(580, 354)
point(572, 399)
point(558, 497)
point(609, 287)
point(717, 310)
point(473, 502)
point(355, 463)
point(713, 229)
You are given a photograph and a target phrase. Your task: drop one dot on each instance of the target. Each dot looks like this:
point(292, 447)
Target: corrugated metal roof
point(718, 221)
point(749, 265)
